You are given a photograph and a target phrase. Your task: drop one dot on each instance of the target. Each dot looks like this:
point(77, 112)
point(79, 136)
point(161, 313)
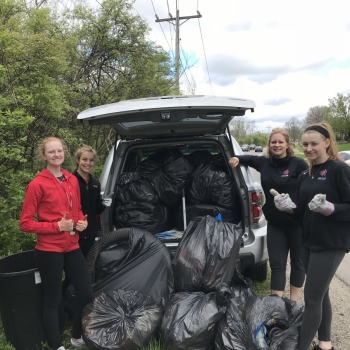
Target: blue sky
point(286, 56)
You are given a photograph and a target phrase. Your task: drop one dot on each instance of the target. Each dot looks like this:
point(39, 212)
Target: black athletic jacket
point(281, 175)
point(320, 232)
point(91, 203)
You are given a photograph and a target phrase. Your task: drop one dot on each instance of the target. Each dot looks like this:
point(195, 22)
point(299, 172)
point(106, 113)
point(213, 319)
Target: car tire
point(257, 273)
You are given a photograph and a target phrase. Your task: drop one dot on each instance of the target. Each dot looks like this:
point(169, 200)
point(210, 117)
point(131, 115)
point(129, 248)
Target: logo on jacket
point(285, 173)
point(323, 175)
point(94, 186)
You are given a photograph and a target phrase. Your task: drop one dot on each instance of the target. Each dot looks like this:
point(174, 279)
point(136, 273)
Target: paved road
point(343, 272)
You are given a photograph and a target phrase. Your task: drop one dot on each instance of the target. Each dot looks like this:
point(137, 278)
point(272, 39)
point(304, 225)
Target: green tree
point(338, 115)
point(52, 67)
point(315, 115)
point(294, 128)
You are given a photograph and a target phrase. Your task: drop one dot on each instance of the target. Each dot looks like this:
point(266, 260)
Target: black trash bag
point(209, 185)
point(132, 187)
point(269, 311)
point(195, 211)
point(197, 158)
point(111, 258)
point(146, 268)
point(207, 255)
point(143, 215)
point(232, 333)
point(168, 171)
point(123, 320)
point(287, 312)
point(190, 319)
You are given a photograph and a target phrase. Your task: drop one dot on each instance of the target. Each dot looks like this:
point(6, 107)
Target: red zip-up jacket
point(47, 200)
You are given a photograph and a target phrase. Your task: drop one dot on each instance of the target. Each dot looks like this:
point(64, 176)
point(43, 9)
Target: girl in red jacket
point(52, 211)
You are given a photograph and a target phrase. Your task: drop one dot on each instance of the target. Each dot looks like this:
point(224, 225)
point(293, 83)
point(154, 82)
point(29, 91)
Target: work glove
point(319, 204)
point(107, 202)
point(283, 201)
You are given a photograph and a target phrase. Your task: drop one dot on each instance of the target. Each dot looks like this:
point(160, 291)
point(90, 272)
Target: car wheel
point(257, 273)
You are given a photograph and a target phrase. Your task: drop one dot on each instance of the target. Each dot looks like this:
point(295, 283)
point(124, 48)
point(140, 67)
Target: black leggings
point(320, 268)
point(51, 266)
point(282, 241)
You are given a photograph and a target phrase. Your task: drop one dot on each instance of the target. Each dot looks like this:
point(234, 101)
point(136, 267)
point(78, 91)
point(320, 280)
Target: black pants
point(86, 244)
point(51, 266)
point(320, 269)
point(282, 241)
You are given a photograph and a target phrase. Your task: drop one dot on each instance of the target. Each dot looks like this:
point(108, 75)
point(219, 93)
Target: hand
point(107, 202)
point(82, 224)
point(233, 162)
point(64, 224)
point(283, 201)
point(319, 204)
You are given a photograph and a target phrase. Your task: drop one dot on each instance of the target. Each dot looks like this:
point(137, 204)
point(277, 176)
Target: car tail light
point(257, 200)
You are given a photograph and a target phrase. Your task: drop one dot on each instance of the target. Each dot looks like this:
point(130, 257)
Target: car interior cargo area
point(162, 188)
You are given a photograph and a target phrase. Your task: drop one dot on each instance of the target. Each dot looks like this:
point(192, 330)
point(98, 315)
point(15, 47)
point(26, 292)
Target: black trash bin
point(21, 301)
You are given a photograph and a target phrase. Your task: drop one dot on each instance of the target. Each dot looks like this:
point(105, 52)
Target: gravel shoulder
point(339, 292)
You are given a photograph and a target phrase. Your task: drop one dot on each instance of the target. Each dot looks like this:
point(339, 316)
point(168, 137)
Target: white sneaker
point(61, 348)
point(77, 343)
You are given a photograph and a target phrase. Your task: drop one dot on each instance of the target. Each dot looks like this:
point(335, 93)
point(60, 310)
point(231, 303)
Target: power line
point(205, 56)
point(162, 30)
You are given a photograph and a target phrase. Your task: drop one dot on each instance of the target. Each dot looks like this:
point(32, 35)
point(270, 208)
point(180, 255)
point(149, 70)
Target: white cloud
point(286, 56)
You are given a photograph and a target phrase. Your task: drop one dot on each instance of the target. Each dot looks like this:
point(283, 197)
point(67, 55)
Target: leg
point(277, 246)
point(76, 269)
point(86, 244)
point(320, 268)
point(297, 273)
point(50, 266)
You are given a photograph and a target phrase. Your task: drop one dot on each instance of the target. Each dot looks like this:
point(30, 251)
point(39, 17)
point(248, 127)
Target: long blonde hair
point(332, 150)
point(284, 132)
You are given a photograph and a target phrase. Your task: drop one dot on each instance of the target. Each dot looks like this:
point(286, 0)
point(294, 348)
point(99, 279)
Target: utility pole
point(177, 20)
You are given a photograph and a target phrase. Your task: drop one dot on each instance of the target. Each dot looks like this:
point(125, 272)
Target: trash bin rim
point(16, 273)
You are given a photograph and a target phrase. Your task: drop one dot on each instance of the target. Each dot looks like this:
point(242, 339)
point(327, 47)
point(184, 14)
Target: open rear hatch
point(169, 115)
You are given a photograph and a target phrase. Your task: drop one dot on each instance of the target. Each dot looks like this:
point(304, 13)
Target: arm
point(342, 207)
point(252, 161)
point(27, 223)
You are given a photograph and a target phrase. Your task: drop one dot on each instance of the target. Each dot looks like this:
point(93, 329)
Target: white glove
point(319, 204)
point(283, 201)
point(107, 202)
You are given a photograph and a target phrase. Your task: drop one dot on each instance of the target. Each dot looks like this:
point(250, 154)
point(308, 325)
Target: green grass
point(344, 147)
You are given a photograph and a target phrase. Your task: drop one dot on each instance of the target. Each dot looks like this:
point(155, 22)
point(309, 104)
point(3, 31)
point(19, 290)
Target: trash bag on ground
point(132, 187)
point(195, 211)
point(123, 320)
point(232, 333)
point(207, 255)
point(111, 258)
point(209, 185)
point(145, 268)
point(143, 215)
point(168, 171)
point(190, 319)
point(267, 322)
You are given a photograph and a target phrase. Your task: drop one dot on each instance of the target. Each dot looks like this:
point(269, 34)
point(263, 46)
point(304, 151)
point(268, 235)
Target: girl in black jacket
point(280, 170)
point(90, 191)
point(323, 205)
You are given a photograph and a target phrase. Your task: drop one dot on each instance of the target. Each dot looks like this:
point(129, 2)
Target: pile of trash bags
point(132, 281)
point(197, 301)
point(150, 197)
point(203, 269)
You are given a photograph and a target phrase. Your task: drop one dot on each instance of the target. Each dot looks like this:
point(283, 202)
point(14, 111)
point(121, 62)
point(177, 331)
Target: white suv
point(187, 124)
